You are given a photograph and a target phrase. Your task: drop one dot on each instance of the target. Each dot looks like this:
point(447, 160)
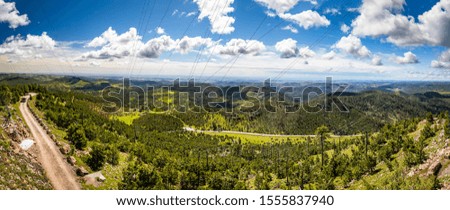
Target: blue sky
point(282, 39)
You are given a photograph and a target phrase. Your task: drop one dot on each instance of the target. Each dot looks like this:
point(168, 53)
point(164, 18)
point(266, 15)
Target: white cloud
point(287, 47)
point(329, 55)
point(440, 65)
point(102, 40)
point(10, 15)
point(313, 2)
point(408, 58)
point(377, 61)
point(31, 46)
point(240, 46)
point(443, 60)
point(270, 14)
point(174, 12)
point(94, 63)
point(352, 9)
point(187, 44)
point(290, 28)
point(352, 45)
point(160, 30)
point(217, 13)
point(190, 14)
point(280, 6)
point(155, 47)
point(385, 18)
point(345, 28)
point(114, 45)
point(435, 24)
point(305, 52)
point(306, 19)
point(332, 11)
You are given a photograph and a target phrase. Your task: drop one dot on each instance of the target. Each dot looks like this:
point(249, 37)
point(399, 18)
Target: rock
point(82, 171)
point(65, 149)
point(94, 179)
point(71, 160)
point(435, 168)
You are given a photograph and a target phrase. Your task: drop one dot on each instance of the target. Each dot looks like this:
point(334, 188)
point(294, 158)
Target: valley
point(387, 140)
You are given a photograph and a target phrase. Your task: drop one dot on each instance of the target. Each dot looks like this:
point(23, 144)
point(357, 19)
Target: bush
point(97, 157)
point(76, 135)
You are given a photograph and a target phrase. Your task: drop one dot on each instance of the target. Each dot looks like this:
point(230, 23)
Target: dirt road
point(56, 168)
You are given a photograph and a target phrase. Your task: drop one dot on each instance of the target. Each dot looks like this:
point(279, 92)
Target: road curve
point(58, 171)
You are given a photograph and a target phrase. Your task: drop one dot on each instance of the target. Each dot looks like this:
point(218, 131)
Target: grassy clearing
point(113, 175)
point(127, 118)
point(253, 139)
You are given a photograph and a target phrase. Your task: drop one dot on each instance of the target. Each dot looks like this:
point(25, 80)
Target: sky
point(228, 39)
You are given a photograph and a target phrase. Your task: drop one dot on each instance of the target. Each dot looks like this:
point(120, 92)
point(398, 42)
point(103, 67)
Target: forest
point(339, 150)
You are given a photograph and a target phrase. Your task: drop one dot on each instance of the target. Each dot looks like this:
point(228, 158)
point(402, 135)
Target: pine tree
point(322, 133)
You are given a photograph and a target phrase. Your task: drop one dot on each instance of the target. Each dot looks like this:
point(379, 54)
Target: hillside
point(19, 168)
point(367, 111)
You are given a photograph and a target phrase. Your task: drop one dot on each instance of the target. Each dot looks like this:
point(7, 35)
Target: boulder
point(65, 149)
point(71, 160)
point(82, 171)
point(94, 179)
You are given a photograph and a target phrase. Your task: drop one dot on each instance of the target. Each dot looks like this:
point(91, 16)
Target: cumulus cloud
point(440, 65)
point(345, 28)
point(29, 46)
point(352, 45)
point(9, 14)
point(217, 14)
point(240, 46)
point(443, 60)
point(111, 45)
point(155, 47)
point(305, 52)
point(377, 61)
point(290, 28)
point(306, 19)
point(270, 14)
point(187, 44)
point(329, 55)
point(160, 30)
point(280, 6)
point(287, 47)
point(114, 45)
point(385, 18)
point(102, 40)
point(408, 58)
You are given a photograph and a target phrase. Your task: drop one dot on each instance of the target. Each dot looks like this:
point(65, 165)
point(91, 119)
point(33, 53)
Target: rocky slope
point(19, 169)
